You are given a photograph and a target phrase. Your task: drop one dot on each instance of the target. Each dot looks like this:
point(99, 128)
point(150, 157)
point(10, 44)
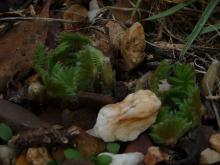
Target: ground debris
point(59, 136)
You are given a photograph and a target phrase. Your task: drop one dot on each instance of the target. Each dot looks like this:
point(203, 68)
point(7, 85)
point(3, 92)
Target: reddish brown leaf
point(18, 45)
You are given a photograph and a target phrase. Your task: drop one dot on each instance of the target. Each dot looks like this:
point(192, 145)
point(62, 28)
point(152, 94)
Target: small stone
point(209, 156)
point(125, 159)
point(154, 155)
point(7, 154)
point(141, 144)
point(38, 156)
point(125, 120)
point(132, 45)
point(214, 140)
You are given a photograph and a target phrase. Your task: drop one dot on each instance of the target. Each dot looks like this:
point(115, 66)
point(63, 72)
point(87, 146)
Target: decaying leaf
point(131, 42)
point(17, 117)
point(23, 37)
point(76, 13)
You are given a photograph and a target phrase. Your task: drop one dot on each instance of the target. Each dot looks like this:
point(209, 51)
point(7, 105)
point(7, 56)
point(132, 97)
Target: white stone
point(126, 158)
point(209, 156)
point(125, 120)
point(214, 141)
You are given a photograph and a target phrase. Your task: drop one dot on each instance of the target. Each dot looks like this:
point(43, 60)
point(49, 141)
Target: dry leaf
point(131, 42)
point(17, 46)
point(76, 13)
point(132, 45)
point(121, 15)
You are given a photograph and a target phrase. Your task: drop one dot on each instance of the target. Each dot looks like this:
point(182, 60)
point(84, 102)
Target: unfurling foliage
point(74, 65)
point(181, 104)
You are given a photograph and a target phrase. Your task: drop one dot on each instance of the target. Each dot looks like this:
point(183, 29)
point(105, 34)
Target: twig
point(38, 19)
point(214, 107)
point(217, 97)
point(123, 9)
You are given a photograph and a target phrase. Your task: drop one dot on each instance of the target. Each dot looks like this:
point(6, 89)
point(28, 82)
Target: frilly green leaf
point(170, 130)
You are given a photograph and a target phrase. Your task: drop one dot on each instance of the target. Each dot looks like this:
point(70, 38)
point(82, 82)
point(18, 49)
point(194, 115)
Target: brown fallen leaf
point(141, 144)
point(17, 117)
point(132, 45)
point(18, 45)
point(119, 14)
point(76, 13)
point(131, 42)
point(84, 118)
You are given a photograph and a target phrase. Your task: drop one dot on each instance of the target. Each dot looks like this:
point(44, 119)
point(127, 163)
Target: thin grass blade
point(170, 11)
point(210, 28)
point(199, 26)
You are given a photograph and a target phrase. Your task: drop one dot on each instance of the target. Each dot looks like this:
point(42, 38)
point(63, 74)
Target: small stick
point(213, 97)
point(38, 19)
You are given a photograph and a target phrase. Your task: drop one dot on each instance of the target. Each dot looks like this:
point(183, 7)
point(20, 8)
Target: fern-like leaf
point(161, 73)
point(76, 40)
point(170, 130)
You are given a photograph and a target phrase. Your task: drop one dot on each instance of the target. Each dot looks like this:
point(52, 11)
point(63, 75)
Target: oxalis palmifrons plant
point(181, 105)
point(73, 66)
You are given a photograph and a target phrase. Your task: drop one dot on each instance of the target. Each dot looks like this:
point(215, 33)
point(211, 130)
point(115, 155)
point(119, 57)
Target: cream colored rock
point(125, 159)
point(209, 156)
point(38, 156)
point(214, 141)
point(125, 120)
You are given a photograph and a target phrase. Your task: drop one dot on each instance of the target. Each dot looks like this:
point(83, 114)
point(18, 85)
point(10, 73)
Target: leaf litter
point(79, 80)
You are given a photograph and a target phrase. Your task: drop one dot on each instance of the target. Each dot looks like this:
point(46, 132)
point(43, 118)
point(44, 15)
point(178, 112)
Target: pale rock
point(38, 156)
point(93, 10)
point(127, 158)
point(7, 154)
point(125, 120)
point(209, 156)
point(214, 141)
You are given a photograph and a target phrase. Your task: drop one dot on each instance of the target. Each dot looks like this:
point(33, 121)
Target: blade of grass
point(170, 11)
point(210, 28)
point(199, 26)
point(136, 8)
